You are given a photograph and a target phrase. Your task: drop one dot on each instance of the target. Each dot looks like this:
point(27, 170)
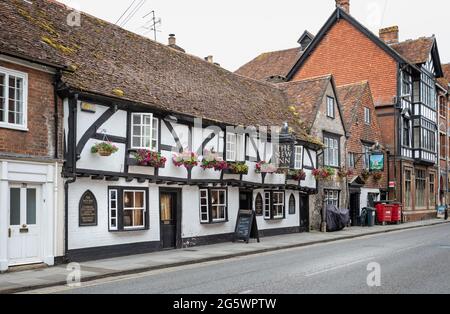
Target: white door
point(24, 234)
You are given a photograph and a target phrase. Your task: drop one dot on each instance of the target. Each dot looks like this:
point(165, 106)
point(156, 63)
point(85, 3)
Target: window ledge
point(14, 127)
point(215, 222)
point(129, 230)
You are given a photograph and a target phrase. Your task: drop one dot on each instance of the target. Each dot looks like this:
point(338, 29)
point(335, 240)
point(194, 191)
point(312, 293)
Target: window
point(432, 190)
point(442, 106)
point(292, 205)
point(204, 206)
point(278, 205)
point(128, 209)
point(351, 160)
point(213, 206)
point(235, 147)
point(13, 99)
point(406, 133)
point(298, 161)
point(420, 188)
point(366, 159)
point(443, 145)
point(367, 117)
point(331, 197)
point(133, 209)
point(113, 207)
point(274, 206)
point(331, 154)
point(144, 131)
point(428, 91)
point(371, 199)
point(330, 107)
point(408, 188)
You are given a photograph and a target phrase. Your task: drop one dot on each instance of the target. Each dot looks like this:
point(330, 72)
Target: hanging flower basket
point(211, 160)
point(365, 174)
point(265, 167)
point(344, 173)
point(185, 159)
point(148, 158)
point(104, 149)
point(377, 176)
point(296, 175)
point(237, 168)
point(324, 174)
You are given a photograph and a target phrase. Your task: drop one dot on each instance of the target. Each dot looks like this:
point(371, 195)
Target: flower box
point(265, 167)
point(211, 160)
point(146, 158)
point(236, 168)
point(296, 175)
point(185, 159)
point(104, 149)
point(324, 174)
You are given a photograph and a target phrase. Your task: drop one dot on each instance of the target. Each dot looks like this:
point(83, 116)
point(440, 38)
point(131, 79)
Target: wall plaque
point(284, 155)
point(88, 210)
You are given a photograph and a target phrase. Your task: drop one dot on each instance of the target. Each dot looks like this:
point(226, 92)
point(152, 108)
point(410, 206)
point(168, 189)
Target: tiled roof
point(415, 51)
point(105, 58)
point(306, 96)
point(445, 81)
point(350, 97)
point(266, 65)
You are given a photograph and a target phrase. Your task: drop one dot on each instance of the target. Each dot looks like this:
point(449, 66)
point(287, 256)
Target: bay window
point(13, 99)
point(213, 206)
point(128, 209)
point(331, 153)
point(274, 205)
point(144, 131)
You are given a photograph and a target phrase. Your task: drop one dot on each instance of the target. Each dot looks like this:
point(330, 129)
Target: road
point(413, 261)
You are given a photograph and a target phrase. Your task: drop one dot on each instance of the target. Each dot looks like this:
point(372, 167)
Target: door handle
point(9, 232)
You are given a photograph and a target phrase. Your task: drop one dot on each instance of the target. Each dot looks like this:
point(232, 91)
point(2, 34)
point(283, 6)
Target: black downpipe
point(73, 159)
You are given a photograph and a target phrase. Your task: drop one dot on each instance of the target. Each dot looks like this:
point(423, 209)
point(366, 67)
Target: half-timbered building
point(161, 148)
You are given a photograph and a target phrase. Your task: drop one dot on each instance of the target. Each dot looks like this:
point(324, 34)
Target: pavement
point(23, 281)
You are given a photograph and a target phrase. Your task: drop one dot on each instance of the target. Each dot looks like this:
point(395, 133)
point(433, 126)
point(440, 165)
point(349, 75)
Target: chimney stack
point(344, 5)
point(210, 59)
point(172, 40)
point(389, 35)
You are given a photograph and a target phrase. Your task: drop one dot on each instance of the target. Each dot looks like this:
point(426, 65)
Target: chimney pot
point(344, 5)
point(172, 40)
point(209, 59)
point(390, 35)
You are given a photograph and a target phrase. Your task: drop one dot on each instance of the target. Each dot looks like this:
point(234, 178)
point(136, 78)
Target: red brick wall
point(38, 141)
point(359, 132)
point(352, 57)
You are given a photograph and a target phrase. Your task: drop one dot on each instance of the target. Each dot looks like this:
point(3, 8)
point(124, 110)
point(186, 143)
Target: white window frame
point(278, 205)
point(235, 147)
point(112, 209)
point(331, 112)
point(204, 209)
point(267, 205)
point(143, 209)
point(331, 154)
point(153, 137)
point(216, 207)
point(24, 76)
point(298, 157)
point(367, 116)
point(332, 197)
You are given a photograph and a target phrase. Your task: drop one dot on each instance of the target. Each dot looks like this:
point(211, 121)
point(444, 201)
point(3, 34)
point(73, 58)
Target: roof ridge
point(364, 82)
point(309, 79)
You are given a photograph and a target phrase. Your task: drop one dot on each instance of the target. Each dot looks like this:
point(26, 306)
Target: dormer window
point(13, 99)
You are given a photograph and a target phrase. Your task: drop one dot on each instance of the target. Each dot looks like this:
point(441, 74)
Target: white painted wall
point(97, 236)
point(364, 196)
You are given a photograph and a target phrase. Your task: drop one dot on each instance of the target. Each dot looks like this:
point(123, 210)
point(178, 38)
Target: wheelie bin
point(370, 216)
point(384, 213)
point(396, 215)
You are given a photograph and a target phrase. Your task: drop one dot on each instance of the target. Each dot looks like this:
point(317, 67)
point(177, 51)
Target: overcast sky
point(235, 31)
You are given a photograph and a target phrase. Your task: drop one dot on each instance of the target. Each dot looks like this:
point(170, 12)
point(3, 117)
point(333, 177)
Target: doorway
point(355, 205)
point(246, 200)
point(170, 218)
point(304, 213)
point(24, 232)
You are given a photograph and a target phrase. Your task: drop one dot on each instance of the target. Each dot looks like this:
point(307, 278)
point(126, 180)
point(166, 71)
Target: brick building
point(30, 161)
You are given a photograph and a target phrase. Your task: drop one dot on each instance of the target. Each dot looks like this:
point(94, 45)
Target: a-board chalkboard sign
point(246, 226)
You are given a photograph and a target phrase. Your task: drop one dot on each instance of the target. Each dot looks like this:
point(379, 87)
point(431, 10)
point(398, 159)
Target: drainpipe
point(56, 112)
point(55, 207)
